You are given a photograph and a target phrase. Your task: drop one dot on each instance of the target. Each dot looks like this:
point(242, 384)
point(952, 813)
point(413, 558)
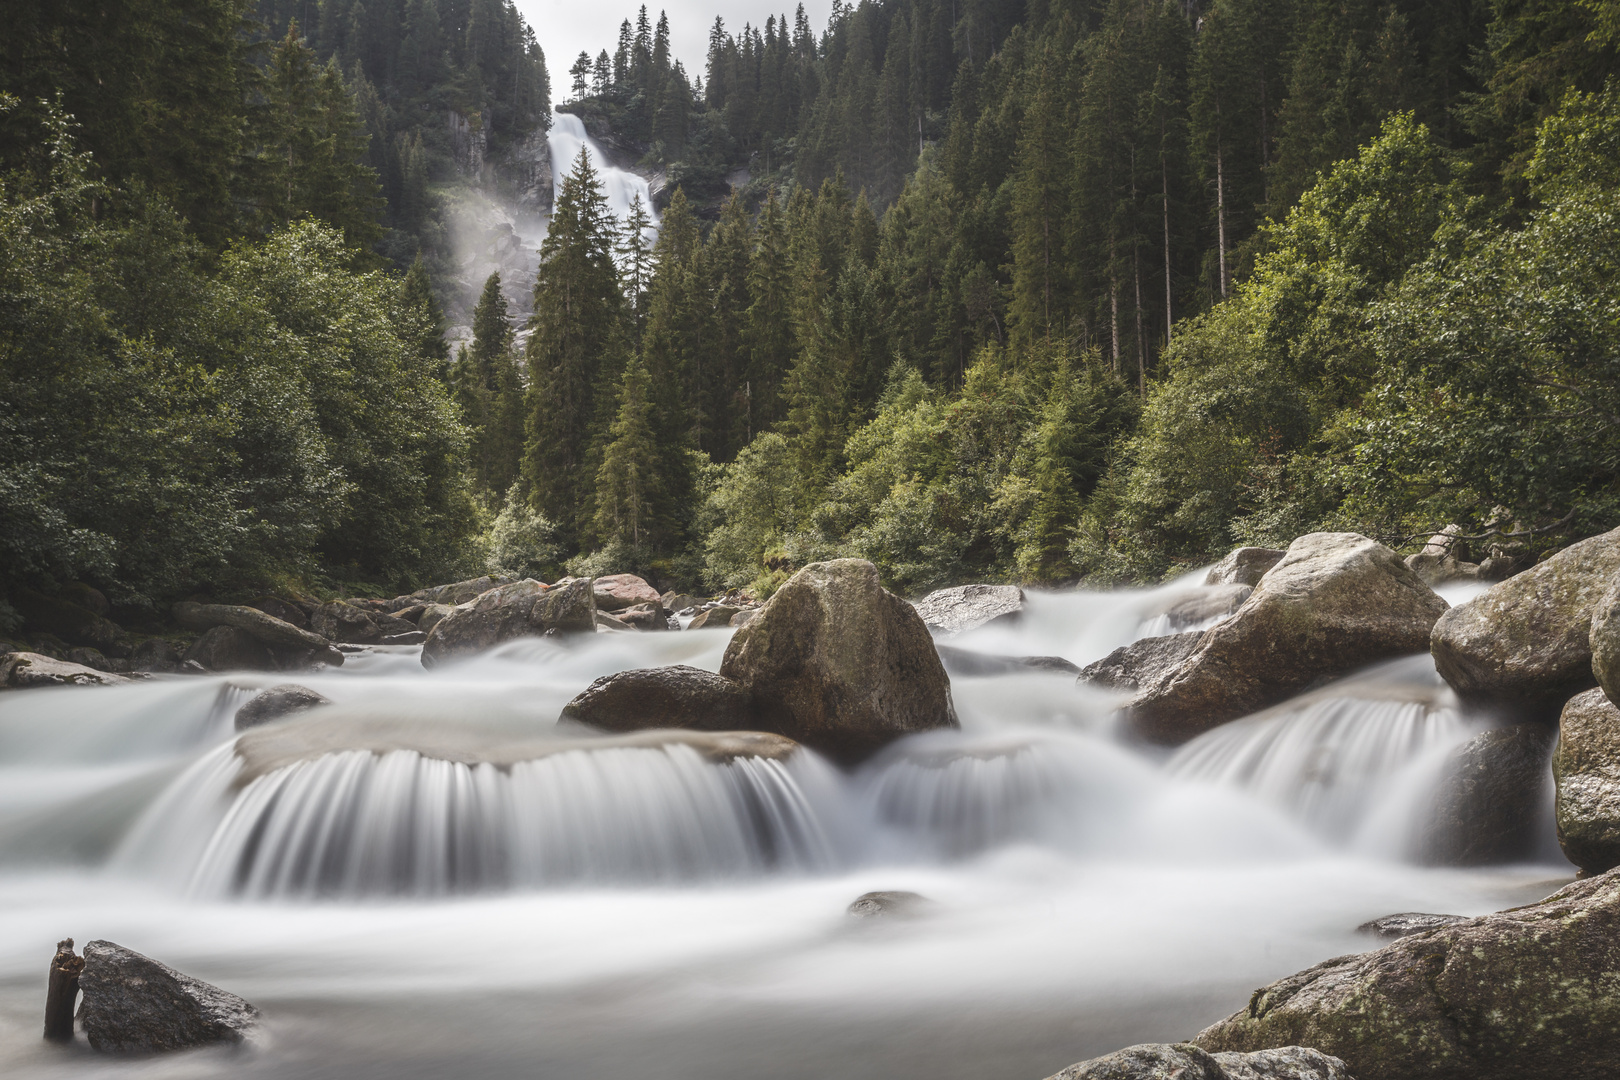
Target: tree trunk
point(1220, 206)
point(1164, 190)
point(62, 991)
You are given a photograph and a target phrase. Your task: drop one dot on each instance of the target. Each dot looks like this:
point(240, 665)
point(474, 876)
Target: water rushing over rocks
point(432, 872)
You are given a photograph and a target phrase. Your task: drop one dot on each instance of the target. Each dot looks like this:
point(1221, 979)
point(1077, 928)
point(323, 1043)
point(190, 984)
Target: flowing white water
point(586, 911)
point(567, 139)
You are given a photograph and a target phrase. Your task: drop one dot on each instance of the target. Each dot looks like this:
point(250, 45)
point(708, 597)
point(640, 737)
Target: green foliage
point(520, 542)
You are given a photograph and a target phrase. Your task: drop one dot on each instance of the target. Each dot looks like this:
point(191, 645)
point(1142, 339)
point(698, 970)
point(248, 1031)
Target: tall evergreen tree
point(628, 495)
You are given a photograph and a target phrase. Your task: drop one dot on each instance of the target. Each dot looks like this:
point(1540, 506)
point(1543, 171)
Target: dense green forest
point(1036, 291)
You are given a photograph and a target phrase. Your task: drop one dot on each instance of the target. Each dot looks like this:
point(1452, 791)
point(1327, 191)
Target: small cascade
point(1336, 757)
point(356, 824)
point(566, 139)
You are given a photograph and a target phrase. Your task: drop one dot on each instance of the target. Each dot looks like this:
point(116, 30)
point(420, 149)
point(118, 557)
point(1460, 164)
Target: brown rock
point(649, 617)
point(666, 697)
point(838, 663)
point(617, 591)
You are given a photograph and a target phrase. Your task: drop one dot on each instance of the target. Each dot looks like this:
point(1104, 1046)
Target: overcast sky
point(565, 27)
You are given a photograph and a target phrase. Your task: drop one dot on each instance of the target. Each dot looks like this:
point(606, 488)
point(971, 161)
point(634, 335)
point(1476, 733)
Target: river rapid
point(646, 911)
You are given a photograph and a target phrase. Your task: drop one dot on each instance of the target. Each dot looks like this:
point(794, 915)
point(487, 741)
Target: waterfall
point(355, 823)
point(566, 139)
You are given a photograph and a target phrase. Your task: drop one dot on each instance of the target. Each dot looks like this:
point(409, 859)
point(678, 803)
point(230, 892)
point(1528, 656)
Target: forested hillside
point(1028, 290)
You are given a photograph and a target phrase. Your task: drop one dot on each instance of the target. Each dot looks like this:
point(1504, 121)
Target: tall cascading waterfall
point(567, 139)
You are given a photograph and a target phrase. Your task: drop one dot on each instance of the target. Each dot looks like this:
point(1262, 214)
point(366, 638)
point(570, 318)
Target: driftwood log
point(61, 992)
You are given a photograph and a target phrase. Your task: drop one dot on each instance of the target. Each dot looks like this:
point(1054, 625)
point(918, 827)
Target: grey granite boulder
point(1243, 566)
point(967, 607)
point(1141, 663)
point(1334, 603)
point(1525, 994)
point(840, 664)
point(225, 648)
point(1603, 637)
point(1185, 1061)
point(524, 608)
point(22, 670)
point(664, 697)
point(1526, 643)
point(133, 1004)
point(1586, 775)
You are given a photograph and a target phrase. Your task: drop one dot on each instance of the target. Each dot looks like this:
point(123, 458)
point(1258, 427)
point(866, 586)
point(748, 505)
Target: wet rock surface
point(276, 702)
point(1586, 775)
point(969, 663)
point(1335, 602)
point(1185, 1061)
point(524, 608)
point(133, 1004)
point(956, 610)
point(1525, 994)
point(1244, 566)
point(1526, 643)
point(889, 905)
point(1490, 805)
point(1141, 663)
point(1406, 923)
point(23, 670)
point(665, 697)
point(840, 664)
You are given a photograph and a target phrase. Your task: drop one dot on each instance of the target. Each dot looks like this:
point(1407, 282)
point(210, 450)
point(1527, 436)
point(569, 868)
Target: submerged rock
point(1407, 923)
point(1244, 566)
point(1334, 603)
point(888, 905)
point(1490, 805)
point(1185, 1061)
point(968, 662)
point(470, 741)
point(524, 608)
point(135, 1004)
point(1526, 643)
point(1586, 775)
point(840, 664)
point(22, 670)
point(967, 607)
point(276, 702)
point(665, 697)
point(1525, 994)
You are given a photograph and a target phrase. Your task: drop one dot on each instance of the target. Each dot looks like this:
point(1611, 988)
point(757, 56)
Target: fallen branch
point(62, 992)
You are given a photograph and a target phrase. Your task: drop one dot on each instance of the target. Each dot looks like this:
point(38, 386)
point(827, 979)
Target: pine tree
point(635, 260)
point(627, 483)
point(578, 306)
point(1040, 206)
point(769, 327)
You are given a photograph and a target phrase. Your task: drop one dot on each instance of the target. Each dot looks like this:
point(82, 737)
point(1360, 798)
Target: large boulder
point(1531, 993)
point(666, 697)
point(840, 664)
point(1141, 663)
point(277, 634)
point(22, 670)
point(1490, 805)
point(1526, 643)
point(1184, 1061)
point(967, 607)
point(1603, 637)
point(352, 624)
point(618, 591)
point(524, 608)
point(459, 592)
point(1244, 566)
point(276, 702)
point(135, 1004)
point(1586, 776)
point(225, 648)
point(1335, 602)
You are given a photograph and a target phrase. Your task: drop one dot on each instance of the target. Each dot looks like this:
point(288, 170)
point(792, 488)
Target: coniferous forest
point(1032, 290)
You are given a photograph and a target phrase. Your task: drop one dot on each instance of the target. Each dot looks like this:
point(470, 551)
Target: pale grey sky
point(565, 27)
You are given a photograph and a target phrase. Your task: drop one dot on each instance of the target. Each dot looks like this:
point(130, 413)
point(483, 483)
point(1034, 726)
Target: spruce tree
point(578, 305)
point(627, 483)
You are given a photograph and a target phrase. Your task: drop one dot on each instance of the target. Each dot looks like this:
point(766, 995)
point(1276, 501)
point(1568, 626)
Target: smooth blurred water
point(621, 187)
point(603, 911)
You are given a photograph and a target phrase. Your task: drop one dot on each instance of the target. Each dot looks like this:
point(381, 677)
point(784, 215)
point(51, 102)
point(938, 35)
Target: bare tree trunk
point(1164, 181)
point(62, 991)
point(1113, 299)
point(1141, 342)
